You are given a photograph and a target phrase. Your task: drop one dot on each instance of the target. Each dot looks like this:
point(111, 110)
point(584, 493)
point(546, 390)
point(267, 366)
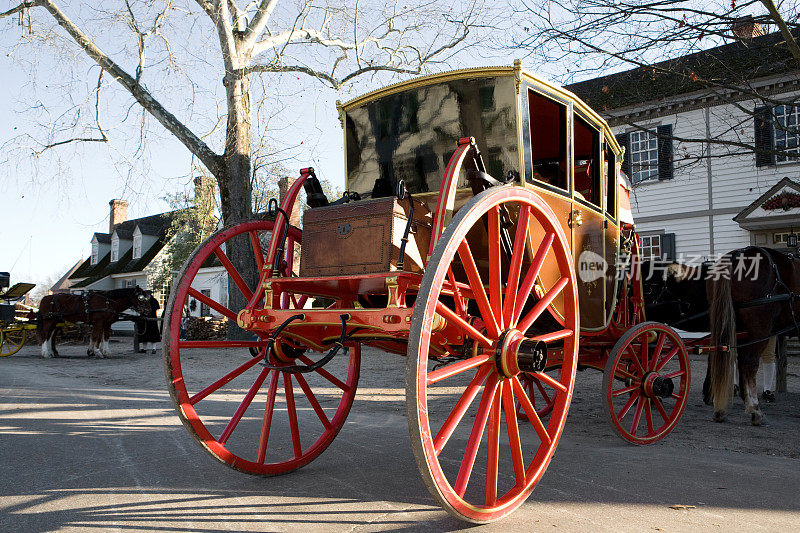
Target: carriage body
point(482, 239)
point(13, 329)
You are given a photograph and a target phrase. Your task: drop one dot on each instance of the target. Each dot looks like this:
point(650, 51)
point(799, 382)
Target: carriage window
point(587, 157)
point(611, 182)
point(548, 140)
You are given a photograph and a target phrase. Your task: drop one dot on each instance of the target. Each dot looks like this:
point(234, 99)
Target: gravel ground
point(94, 444)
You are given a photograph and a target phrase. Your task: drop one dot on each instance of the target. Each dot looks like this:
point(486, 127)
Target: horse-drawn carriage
point(486, 235)
point(13, 327)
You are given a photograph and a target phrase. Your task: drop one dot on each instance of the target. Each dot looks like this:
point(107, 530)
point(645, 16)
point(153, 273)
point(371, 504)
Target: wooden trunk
point(364, 237)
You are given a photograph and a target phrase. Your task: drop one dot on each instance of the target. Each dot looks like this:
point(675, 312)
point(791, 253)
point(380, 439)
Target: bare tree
point(711, 48)
point(332, 43)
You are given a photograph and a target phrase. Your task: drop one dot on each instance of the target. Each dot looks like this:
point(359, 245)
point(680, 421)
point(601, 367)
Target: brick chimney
point(746, 28)
point(283, 190)
point(117, 215)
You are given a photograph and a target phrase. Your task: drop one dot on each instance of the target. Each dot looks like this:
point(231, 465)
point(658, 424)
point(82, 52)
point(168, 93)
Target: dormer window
point(137, 245)
point(114, 248)
point(95, 252)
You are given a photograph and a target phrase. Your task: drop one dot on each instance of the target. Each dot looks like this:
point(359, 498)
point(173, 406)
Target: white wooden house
point(693, 198)
point(131, 253)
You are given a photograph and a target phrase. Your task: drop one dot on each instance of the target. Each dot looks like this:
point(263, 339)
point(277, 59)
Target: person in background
point(150, 339)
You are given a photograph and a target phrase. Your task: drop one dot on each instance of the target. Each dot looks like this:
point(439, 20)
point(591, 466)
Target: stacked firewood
point(204, 328)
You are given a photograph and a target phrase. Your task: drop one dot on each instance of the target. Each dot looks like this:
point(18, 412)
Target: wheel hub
point(657, 386)
point(515, 353)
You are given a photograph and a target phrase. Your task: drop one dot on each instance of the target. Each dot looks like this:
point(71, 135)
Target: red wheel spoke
point(662, 338)
point(267, 422)
point(542, 304)
point(675, 374)
point(675, 396)
point(512, 427)
point(644, 352)
point(325, 374)
point(534, 419)
point(531, 275)
point(474, 441)
point(493, 447)
point(457, 298)
point(313, 401)
point(456, 368)
point(628, 405)
point(237, 416)
point(619, 372)
point(554, 336)
point(648, 416)
point(234, 274)
point(460, 409)
point(515, 266)
point(660, 409)
point(543, 392)
point(541, 376)
point(495, 277)
point(667, 358)
point(218, 307)
point(637, 415)
point(462, 324)
point(626, 390)
point(476, 284)
point(227, 378)
point(259, 253)
point(292, 412)
point(635, 359)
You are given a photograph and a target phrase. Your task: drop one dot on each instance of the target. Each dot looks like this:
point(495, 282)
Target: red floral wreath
point(784, 200)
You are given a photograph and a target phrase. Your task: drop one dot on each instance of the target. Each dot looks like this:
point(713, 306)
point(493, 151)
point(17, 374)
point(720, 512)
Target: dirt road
point(88, 444)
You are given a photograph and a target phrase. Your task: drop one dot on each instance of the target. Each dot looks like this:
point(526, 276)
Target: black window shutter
point(622, 139)
point(762, 120)
point(664, 152)
point(668, 246)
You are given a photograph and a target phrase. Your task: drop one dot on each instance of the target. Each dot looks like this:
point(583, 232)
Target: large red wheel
point(646, 383)
point(480, 344)
point(250, 417)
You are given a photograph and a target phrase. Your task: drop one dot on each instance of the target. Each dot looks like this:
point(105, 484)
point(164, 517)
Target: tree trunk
point(235, 193)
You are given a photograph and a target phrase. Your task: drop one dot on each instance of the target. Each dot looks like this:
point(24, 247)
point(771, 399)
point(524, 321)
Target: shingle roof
point(155, 225)
point(103, 238)
point(727, 65)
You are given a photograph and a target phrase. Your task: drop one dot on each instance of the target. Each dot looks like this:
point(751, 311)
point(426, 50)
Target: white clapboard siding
point(682, 205)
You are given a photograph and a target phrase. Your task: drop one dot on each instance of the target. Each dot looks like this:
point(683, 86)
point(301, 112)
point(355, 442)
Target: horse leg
point(47, 333)
point(708, 399)
point(106, 349)
point(748, 365)
point(94, 345)
point(768, 370)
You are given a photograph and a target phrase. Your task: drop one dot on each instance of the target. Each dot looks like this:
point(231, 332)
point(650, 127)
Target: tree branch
point(211, 160)
point(259, 22)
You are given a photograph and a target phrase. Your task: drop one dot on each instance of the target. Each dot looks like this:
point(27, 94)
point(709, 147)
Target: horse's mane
point(119, 294)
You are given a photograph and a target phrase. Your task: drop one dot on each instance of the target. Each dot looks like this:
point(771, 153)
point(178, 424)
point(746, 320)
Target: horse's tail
point(723, 332)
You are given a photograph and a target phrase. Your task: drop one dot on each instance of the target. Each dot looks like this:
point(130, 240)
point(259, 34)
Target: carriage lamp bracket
point(401, 194)
point(303, 369)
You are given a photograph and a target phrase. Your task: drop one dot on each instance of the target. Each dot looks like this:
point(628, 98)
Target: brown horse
point(756, 290)
point(98, 308)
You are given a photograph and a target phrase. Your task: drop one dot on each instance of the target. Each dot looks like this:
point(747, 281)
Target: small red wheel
point(541, 394)
point(238, 414)
point(464, 343)
point(646, 383)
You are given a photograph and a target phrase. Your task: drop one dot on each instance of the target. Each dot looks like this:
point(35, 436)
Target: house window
point(204, 309)
point(786, 131)
point(659, 246)
point(114, 249)
point(95, 253)
point(130, 283)
point(648, 153)
point(644, 155)
point(137, 246)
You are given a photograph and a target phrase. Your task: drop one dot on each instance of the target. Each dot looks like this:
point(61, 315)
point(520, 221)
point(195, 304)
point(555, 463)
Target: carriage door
point(612, 240)
point(587, 222)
